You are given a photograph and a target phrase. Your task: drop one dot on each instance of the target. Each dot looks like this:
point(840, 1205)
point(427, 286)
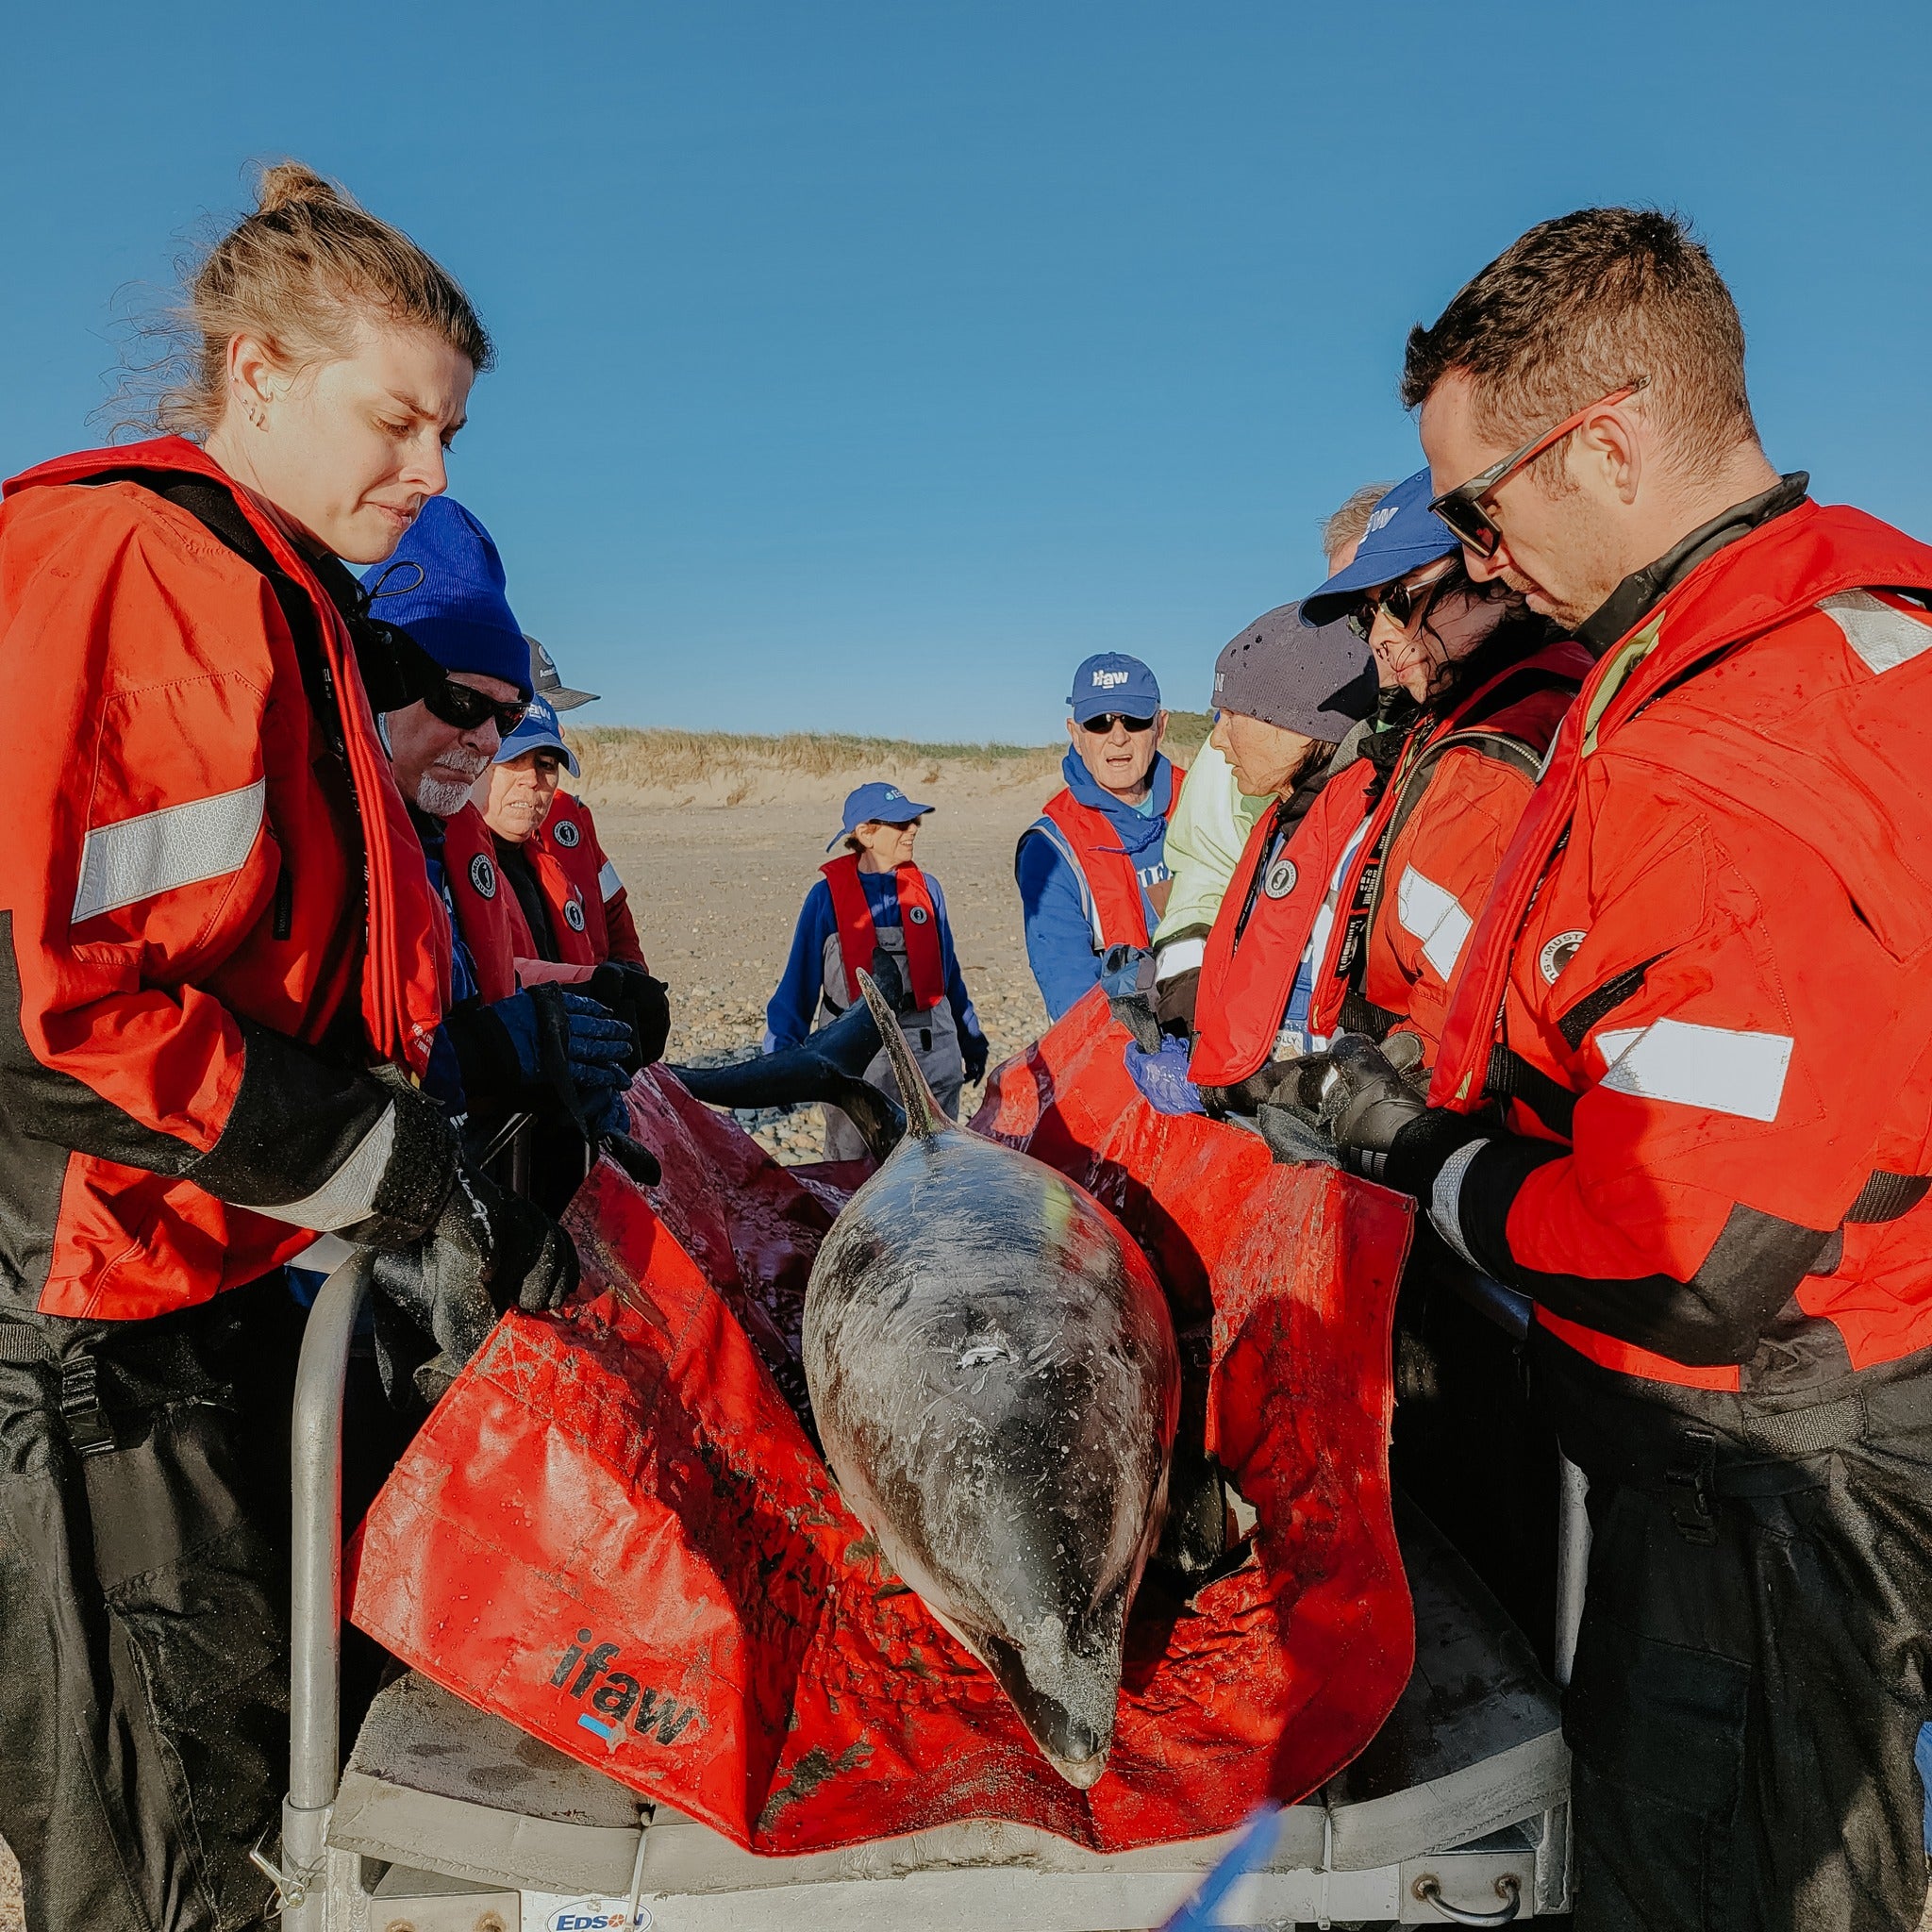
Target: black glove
point(974, 1051)
point(549, 1043)
point(489, 1251)
point(1382, 1127)
point(643, 1004)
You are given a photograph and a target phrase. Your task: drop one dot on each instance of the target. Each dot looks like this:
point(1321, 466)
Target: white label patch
point(163, 851)
point(1432, 914)
point(1884, 638)
point(608, 884)
point(1711, 1067)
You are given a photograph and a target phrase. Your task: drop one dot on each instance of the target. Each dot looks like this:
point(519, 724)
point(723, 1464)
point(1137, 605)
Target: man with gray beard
point(499, 1047)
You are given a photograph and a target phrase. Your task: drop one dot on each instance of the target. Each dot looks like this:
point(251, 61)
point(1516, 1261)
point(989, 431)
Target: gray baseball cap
point(546, 683)
point(1304, 678)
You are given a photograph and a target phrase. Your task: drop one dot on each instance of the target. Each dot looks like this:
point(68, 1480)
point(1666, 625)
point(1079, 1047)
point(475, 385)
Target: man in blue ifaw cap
point(1092, 868)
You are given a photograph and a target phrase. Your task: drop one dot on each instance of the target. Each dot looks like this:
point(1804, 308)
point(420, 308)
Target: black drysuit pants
point(1756, 1655)
point(144, 1651)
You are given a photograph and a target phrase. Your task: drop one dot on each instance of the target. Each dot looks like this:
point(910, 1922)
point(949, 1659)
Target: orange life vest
point(1109, 884)
point(859, 937)
point(1266, 920)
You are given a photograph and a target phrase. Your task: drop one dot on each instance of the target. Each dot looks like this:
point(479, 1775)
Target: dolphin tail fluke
point(923, 1120)
point(824, 1067)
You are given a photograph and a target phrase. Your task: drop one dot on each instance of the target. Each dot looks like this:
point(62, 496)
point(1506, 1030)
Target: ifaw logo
point(1105, 681)
point(619, 1697)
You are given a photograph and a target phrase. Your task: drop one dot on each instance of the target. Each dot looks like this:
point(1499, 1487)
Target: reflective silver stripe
point(349, 1194)
point(1445, 1198)
point(1883, 637)
point(160, 851)
point(1058, 840)
point(608, 884)
point(1433, 914)
point(1712, 1066)
point(1178, 955)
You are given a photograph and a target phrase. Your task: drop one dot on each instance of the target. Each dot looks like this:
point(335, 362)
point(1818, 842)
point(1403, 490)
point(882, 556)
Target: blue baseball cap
point(444, 585)
point(877, 803)
point(1404, 534)
point(1113, 682)
point(538, 732)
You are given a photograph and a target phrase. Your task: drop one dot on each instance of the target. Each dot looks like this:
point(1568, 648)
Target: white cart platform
point(449, 1820)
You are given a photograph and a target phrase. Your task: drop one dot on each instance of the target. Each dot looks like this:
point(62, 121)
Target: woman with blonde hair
point(223, 973)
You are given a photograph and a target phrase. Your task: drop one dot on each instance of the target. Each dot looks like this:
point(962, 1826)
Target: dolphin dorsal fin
point(923, 1120)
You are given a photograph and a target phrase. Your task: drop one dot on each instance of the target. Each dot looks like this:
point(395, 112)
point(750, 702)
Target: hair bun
point(287, 182)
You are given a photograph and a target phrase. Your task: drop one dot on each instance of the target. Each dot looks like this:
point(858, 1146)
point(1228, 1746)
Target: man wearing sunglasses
point(500, 1047)
point(1092, 868)
point(1683, 1096)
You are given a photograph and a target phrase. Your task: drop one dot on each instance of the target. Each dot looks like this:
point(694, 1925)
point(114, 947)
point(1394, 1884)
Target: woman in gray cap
point(1288, 695)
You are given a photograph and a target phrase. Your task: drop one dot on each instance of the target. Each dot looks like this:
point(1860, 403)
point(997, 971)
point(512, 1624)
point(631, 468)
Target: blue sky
point(862, 367)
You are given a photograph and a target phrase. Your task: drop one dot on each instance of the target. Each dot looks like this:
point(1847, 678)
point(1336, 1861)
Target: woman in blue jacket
point(873, 899)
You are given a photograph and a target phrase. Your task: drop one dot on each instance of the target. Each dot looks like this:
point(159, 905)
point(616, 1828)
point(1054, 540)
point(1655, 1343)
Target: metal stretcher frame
point(315, 1883)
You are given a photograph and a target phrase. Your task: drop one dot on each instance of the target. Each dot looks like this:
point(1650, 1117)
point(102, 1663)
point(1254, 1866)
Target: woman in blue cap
point(1092, 868)
point(872, 900)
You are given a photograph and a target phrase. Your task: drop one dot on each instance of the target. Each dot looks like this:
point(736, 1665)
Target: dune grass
point(622, 757)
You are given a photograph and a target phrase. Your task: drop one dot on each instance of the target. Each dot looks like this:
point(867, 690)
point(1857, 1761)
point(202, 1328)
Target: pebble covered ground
point(717, 893)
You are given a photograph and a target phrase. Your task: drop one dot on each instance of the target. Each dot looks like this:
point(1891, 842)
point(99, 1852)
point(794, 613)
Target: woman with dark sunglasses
point(1492, 682)
point(1092, 868)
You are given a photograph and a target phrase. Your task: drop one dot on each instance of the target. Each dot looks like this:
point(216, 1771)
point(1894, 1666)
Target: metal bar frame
point(316, 1593)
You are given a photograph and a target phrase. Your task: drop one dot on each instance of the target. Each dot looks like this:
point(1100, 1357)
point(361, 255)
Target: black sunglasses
point(1108, 719)
point(1400, 603)
point(466, 708)
point(1462, 509)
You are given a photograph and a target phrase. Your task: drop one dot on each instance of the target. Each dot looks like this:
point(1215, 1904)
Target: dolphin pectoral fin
point(924, 1118)
point(827, 1067)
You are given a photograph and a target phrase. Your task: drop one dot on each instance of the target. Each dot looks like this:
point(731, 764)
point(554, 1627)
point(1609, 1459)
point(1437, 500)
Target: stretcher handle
point(1428, 1890)
point(315, 1583)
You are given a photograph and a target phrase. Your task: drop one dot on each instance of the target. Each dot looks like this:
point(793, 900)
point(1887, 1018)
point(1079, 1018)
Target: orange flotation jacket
point(858, 936)
point(213, 908)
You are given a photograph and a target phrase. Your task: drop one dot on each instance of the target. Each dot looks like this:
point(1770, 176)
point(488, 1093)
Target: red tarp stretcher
point(614, 1532)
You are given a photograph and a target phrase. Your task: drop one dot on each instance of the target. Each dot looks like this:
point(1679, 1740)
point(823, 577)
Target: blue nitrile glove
point(595, 1048)
point(1162, 1077)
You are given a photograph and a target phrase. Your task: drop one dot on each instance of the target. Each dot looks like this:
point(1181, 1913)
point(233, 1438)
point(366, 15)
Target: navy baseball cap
point(444, 585)
point(538, 732)
point(1404, 534)
point(1113, 682)
point(879, 804)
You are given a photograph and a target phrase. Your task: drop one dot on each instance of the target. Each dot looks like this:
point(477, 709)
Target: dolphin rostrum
point(995, 1378)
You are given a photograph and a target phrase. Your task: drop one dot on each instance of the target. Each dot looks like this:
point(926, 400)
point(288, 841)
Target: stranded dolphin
point(993, 1373)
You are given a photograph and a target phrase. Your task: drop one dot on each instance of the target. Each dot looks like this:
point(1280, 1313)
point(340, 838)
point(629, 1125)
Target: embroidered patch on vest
point(483, 876)
point(1281, 878)
point(567, 834)
point(1558, 954)
point(574, 914)
point(917, 914)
